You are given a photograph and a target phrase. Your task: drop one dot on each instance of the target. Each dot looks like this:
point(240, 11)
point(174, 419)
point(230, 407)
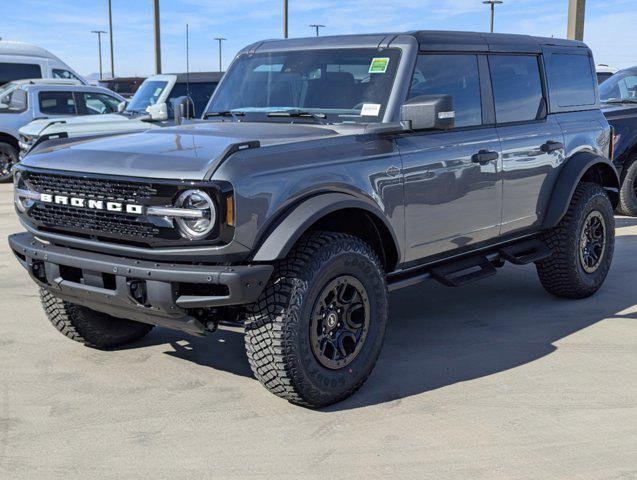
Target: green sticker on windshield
point(379, 65)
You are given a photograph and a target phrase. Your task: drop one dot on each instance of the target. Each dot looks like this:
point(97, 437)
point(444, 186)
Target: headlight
point(18, 200)
point(204, 214)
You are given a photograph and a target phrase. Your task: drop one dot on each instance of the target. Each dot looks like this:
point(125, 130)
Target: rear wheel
point(628, 191)
point(8, 158)
point(582, 245)
point(94, 329)
point(316, 332)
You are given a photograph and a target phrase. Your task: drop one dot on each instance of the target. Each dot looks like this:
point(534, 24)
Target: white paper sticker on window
point(370, 110)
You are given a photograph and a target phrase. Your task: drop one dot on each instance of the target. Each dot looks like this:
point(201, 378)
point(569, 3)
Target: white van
point(20, 60)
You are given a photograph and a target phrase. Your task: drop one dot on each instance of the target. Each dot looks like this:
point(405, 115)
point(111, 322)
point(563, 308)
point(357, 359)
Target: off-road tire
point(93, 329)
point(562, 274)
point(277, 331)
point(7, 151)
point(627, 195)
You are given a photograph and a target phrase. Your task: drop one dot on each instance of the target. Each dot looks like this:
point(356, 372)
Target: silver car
point(25, 101)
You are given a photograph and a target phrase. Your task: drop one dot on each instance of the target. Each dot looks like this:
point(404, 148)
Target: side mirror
point(183, 107)
point(428, 112)
point(121, 106)
point(158, 112)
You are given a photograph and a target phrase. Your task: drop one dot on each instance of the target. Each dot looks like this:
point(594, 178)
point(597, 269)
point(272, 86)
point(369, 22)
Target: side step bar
point(469, 269)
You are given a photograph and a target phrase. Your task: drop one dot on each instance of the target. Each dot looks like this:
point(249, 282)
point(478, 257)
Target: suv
point(125, 86)
point(24, 100)
point(152, 106)
point(330, 171)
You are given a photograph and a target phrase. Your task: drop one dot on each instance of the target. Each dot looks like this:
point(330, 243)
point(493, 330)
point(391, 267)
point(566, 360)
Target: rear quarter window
point(571, 80)
point(18, 71)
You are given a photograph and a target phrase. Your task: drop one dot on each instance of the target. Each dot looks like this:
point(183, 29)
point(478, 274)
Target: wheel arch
point(10, 139)
point(336, 212)
point(581, 167)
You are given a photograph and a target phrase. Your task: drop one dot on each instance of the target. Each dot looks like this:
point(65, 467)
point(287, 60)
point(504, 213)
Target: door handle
point(551, 146)
point(484, 156)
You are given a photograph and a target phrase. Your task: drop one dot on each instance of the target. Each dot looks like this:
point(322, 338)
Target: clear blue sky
point(63, 26)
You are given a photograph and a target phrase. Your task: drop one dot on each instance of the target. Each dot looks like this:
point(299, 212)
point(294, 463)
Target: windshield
point(147, 95)
point(620, 87)
point(344, 85)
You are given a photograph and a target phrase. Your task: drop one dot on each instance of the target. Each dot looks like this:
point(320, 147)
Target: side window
point(98, 103)
point(64, 74)
point(517, 88)
point(455, 75)
point(571, 80)
point(57, 103)
point(18, 71)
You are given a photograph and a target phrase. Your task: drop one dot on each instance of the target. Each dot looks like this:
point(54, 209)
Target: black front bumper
point(157, 293)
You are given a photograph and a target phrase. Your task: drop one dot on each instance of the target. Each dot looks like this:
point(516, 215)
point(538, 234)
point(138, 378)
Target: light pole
point(157, 38)
point(285, 18)
point(576, 10)
point(220, 39)
point(317, 26)
point(493, 3)
point(99, 47)
point(110, 33)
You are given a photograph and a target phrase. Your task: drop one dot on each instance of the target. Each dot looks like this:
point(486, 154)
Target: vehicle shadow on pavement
point(440, 336)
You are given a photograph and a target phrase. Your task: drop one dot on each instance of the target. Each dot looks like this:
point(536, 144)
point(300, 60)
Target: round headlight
point(204, 214)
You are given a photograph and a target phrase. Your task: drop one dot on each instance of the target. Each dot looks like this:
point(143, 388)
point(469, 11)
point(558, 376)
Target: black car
point(618, 95)
point(125, 86)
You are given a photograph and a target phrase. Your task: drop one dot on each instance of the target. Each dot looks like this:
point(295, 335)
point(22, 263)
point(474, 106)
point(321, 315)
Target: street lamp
point(110, 32)
point(493, 3)
point(157, 37)
point(285, 18)
point(220, 39)
point(317, 28)
point(99, 48)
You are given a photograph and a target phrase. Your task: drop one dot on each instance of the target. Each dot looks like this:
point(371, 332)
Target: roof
point(69, 88)
point(199, 77)
point(428, 40)
point(8, 47)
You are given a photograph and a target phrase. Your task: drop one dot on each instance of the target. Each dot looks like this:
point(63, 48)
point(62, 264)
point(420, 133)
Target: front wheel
point(582, 245)
point(8, 158)
point(316, 332)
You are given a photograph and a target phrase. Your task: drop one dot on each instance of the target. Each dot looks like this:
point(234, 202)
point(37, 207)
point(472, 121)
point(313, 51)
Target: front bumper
point(160, 294)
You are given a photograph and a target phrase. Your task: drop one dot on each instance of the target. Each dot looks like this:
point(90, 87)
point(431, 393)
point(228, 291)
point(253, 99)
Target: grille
point(91, 188)
point(95, 222)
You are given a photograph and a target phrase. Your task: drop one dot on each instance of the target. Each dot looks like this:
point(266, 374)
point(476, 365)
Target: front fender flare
point(280, 240)
point(572, 173)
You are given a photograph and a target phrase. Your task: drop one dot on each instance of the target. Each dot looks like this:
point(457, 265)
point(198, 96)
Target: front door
point(453, 184)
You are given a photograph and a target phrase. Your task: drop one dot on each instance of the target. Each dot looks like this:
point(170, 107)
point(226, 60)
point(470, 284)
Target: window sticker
point(379, 65)
point(370, 110)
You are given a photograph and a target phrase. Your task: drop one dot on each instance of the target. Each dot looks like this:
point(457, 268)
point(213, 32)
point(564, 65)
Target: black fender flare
point(572, 173)
point(279, 241)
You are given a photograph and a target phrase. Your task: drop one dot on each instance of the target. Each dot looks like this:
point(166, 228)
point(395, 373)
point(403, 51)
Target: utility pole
point(157, 38)
point(110, 32)
point(220, 39)
point(285, 18)
point(317, 26)
point(99, 48)
point(493, 3)
point(575, 29)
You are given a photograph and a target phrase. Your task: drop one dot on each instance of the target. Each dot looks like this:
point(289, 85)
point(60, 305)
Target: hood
point(615, 110)
point(184, 152)
point(55, 124)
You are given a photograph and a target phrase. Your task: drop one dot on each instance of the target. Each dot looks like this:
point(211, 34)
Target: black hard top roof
point(199, 77)
point(428, 40)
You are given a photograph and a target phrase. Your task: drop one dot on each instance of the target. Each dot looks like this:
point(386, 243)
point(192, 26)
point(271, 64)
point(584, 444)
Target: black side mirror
point(428, 112)
point(183, 107)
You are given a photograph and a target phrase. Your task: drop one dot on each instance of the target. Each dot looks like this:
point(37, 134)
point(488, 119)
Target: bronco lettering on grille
point(92, 204)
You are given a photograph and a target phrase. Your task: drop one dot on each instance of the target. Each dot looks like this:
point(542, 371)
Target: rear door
point(532, 141)
point(452, 197)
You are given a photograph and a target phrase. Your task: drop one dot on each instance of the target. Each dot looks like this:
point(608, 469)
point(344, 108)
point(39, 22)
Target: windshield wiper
point(297, 113)
point(620, 100)
point(224, 113)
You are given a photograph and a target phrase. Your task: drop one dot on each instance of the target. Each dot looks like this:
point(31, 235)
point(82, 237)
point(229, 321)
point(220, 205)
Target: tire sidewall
point(6, 148)
point(325, 382)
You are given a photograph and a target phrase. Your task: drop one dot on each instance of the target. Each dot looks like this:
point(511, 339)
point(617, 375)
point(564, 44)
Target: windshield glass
point(344, 85)
point(147, 95)
point(621, 86)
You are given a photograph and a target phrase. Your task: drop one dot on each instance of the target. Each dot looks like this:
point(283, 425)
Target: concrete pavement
point(497, 380)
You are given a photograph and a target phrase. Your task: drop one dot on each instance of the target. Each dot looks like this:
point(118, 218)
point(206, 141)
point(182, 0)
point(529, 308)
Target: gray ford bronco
point(325, 173)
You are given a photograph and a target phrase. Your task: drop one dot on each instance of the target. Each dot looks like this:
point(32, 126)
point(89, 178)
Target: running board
point(464, 271)
point(525, 252)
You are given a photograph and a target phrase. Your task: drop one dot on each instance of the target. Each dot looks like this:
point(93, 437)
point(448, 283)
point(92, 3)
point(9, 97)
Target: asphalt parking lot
point(497, 380)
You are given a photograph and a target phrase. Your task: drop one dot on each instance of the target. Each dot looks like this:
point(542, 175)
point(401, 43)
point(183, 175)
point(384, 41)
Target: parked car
point(604, 72)
point(28, 100)
point(125, 86)
point(150, 107)
point(20, 60)
point(330, 171)
point(619, 104)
